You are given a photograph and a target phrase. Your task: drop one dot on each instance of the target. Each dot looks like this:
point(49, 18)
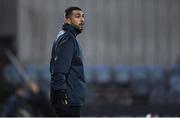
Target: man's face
point(76, 19)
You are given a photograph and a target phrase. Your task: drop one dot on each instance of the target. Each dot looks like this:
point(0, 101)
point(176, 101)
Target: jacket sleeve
point(62, 62)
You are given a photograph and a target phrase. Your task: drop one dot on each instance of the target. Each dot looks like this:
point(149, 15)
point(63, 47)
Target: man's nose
point(82, 19)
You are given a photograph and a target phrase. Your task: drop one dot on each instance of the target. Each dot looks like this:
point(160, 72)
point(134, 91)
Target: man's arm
point(61, 65)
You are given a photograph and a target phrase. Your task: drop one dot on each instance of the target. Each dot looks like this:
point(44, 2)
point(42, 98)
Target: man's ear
point(67, 20)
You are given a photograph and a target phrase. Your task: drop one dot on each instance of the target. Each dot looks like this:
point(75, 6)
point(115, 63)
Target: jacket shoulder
point(63, 37)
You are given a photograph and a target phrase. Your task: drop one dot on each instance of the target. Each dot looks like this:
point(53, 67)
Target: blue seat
point(157, 83)
point(32, 71)
point(12, 75)
point(175, 84)
point(156, 77)
point(44, 78)
point(174, 91)
point(175, 69)
point(44, 72)
point(138, 80)
point(103, 74)
point(121, 74)
point(89, 73)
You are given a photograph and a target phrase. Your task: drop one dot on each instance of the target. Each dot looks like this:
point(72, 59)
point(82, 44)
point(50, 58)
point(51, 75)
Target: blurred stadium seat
point(139, 80)
point(157, 85)
point(103, 74)
point(139, 84)
point(32, 71)
point(44, 72)
point(12, 76)
point(156, 77)
point(44, 78)
point(121, 77)
point(121, 74)
point(174, 85)
point(102, 84)
point(89, 73)
point(173, 95)
point(174, 69)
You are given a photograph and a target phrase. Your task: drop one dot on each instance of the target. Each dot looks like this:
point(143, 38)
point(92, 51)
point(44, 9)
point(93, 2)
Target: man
point(66, 66)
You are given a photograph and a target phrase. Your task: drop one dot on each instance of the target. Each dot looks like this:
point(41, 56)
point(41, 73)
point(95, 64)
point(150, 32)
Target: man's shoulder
point(62, 34)
point(64, 37)
point(65, 34)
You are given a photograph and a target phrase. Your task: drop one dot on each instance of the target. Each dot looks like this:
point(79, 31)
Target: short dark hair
point(69, 10)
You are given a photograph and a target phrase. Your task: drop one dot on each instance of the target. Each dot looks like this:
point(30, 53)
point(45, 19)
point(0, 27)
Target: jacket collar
point(70, 28)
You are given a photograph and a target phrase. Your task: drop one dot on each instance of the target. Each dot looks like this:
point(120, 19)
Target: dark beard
point(77, 29)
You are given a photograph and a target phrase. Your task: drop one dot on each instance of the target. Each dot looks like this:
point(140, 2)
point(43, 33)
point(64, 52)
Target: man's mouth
point(81, 25)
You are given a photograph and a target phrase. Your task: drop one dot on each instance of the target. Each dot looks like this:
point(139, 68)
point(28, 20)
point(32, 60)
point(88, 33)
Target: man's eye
point(77, 16)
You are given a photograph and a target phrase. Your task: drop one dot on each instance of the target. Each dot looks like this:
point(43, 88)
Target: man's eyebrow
point(77, 14)
point(80, 14)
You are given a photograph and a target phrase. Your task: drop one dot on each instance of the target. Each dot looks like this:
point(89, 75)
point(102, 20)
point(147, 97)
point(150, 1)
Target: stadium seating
point(121, 74)
point(103, 74)
point(157, 85)
point(89, 73)
point(139, 84)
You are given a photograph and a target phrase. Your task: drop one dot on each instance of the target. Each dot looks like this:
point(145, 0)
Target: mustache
point(82, 24)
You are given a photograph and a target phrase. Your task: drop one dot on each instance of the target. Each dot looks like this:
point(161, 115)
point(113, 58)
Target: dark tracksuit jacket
point(66, 66)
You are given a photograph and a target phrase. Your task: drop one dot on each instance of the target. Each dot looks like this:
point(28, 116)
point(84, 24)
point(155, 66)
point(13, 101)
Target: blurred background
point(131, 54)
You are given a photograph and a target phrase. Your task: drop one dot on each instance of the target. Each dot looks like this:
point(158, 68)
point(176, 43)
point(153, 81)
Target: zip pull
point(65, 101)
